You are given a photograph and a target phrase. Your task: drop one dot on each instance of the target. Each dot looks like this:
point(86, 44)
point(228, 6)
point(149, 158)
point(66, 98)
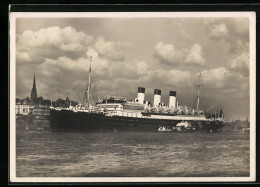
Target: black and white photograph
point(132, 96)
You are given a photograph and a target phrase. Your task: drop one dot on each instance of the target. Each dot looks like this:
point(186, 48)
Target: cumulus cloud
point(162, 78)
point(131, 69)
point(69, 73)
point(168, 54)
point(22, 56)
point(54, 42)
point(66, 37)
point(108, 49)
point(51, 42)
point(65, 63)
point(225, 80)
point(195, 56)
point(241, 64)
point(215, 77)
point(62, 56)
point(140, 67)
point(218, 31)
point(178, 77)
point(233, 31)
point(91, 52)
point(217, 48)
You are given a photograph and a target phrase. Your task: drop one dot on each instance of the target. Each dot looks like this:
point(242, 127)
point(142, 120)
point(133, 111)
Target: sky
point(155, 53)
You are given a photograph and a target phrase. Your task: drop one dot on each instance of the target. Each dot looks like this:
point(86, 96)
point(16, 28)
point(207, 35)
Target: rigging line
point(104, 94)
point(195, 102)
point(73, 97)
point(82, 78)
point(97, 98)
point(195, 97)
point(202, 103)
point(62, 91)
point(77, 94)
point(92, 93)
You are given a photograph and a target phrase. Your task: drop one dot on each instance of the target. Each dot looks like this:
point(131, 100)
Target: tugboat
point(184, 126)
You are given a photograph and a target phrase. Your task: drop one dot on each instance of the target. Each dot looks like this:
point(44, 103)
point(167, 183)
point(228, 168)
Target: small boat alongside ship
point(164, 129)
point(133, 116)
point(185, 126)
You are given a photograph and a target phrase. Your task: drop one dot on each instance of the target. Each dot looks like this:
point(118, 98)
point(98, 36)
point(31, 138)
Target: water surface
point(47, 154)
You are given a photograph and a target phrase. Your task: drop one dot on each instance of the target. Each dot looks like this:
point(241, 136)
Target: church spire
point(221, 113)
point(34, 90)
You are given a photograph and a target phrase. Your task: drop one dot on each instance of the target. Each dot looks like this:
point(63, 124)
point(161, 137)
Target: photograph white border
point(12, 127)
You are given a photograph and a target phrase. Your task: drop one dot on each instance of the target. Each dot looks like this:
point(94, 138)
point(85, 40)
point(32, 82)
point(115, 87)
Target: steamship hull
point(69, 121)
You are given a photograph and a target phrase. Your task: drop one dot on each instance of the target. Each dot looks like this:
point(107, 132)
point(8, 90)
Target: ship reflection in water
point(49, 154)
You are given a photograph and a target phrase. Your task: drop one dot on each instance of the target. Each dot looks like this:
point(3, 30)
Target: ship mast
point(198, 96)
point(89, 84)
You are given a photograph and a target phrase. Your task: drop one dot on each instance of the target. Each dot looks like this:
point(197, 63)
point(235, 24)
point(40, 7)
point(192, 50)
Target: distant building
point(22, 107)
point(25, 106)
point(239, 125)
point(37, 105)
point(64, 103)
point(41, 110)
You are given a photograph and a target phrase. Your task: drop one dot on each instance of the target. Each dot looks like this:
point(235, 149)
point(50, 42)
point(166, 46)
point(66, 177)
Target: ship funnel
point(172, 99)
point(157, 97)
point(140, 95)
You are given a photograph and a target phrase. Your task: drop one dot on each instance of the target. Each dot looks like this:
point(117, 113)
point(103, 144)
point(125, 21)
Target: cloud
point(54, 42)
point(167, 78)
point(54, 36)
point(108, 49)
point(69, 73)
point(131, 69)
point(168, 54)
point(218, 31)
point(215, 77)
point(62, 54)
point(23, 57)
point(233, 31)
point(178, 77)
point(140, 67)
point(223, 79)
point(241, 64)
point(59, 55)
point(195, 56)
point(65, 63)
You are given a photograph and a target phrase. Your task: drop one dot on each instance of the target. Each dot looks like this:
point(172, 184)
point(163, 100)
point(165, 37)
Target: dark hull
point(69, 121)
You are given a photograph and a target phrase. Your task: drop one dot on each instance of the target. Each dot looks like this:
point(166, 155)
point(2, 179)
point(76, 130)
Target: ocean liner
point(120, 115)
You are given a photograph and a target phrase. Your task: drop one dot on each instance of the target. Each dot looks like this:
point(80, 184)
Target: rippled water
point(46, 154)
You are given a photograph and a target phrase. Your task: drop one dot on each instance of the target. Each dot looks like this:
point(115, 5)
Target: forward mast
point(89, 83)
point(198, 95)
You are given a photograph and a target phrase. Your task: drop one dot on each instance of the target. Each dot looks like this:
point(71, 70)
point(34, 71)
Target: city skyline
point(162, 53)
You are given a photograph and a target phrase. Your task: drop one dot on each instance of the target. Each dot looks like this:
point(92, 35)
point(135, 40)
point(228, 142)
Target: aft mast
point(198, 86)
point(89, 83)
